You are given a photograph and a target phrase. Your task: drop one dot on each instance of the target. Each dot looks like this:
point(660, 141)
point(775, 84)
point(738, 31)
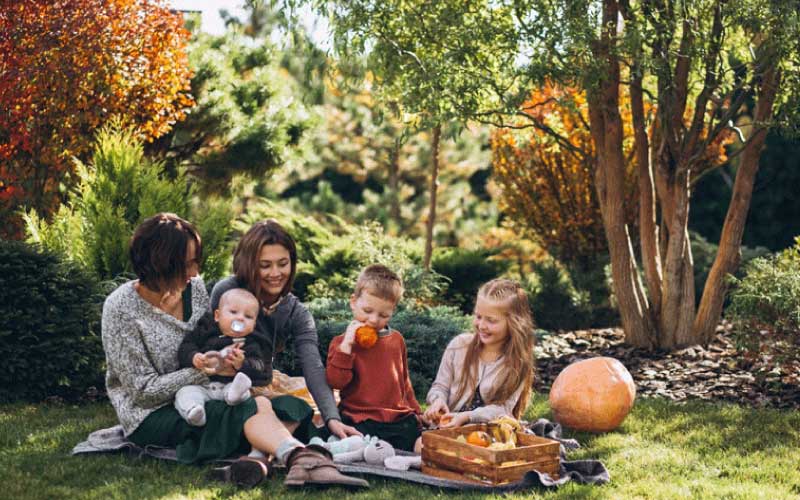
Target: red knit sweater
point(374, 383)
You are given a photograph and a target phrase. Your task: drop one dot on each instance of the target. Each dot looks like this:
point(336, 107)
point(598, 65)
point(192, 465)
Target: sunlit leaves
point(70, 65)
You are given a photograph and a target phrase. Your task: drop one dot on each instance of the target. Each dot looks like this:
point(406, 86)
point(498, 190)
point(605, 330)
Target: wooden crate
point(443, 456)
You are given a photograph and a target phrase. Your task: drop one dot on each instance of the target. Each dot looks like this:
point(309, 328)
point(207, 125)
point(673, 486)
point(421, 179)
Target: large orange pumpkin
point(366, 336)
point(593, 395)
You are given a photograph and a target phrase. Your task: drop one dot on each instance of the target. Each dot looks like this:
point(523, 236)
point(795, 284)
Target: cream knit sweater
point(141, 345)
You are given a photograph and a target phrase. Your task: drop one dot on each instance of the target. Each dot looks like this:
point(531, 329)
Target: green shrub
point(703, 254)
point(346, 255)
point(118, 190)
point(427, 331)
point(49, 332)
point(556, 303)
point(466, 271)
point(765, 309)
point(329, 260)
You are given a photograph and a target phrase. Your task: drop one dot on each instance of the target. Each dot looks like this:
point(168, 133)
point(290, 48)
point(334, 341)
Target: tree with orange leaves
point(546, 172)
point(67, 67)
point(546, 185)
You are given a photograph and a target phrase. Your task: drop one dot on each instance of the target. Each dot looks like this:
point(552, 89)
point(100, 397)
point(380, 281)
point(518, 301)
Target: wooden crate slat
point(444, 456)
point(515, 472)
point(456, 463)
point(448, 474)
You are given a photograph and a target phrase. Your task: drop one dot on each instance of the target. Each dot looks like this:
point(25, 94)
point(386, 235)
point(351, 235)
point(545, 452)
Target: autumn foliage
point(545, 174)
point(66, 67)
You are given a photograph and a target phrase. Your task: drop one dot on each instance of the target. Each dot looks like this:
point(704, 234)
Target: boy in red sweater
point(376, 393)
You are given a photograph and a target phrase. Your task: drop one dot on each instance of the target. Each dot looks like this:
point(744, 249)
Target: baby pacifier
point(237, 326)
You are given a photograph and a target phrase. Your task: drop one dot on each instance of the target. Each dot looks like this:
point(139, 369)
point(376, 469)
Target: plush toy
point(357, 449)
point(592, 395)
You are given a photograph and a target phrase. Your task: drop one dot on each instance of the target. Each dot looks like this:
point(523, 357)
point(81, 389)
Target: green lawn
point(663, 450)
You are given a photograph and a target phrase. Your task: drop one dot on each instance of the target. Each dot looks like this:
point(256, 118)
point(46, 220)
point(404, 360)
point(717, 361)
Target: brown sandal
point(313, 465)
point(246, 472)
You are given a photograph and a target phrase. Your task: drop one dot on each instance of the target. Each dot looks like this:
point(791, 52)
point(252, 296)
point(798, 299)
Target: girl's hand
point(453, 420)
point(340, 430)
point(349, 337)
point(435, 411)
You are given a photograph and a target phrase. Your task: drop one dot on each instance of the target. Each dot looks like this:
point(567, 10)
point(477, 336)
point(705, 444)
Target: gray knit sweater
point(141, 345)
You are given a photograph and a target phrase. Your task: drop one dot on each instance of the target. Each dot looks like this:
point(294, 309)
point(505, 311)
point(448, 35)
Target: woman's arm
point(126, 353)
point(306, 350)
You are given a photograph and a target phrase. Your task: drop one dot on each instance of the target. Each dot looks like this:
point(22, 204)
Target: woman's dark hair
point(158, 250)
point(246, 255)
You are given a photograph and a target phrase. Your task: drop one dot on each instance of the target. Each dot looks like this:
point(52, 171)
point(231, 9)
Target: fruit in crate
point(366, 336)
point(504, 430)
point(479, 438)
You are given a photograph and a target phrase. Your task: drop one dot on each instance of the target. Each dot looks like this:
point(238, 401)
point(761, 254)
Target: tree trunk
point(606, 128)
point(437, 132)
point(648, 226)
point(728, 255)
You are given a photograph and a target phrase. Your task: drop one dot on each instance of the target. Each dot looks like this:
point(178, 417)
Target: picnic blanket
point(580, 471)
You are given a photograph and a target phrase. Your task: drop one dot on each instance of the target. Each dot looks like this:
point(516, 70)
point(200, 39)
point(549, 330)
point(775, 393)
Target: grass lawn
point(663, 450)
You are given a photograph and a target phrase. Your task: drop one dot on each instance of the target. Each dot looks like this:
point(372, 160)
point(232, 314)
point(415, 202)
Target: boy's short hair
point(381, 282)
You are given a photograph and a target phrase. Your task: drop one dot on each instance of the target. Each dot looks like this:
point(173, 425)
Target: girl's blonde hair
point(518, 350)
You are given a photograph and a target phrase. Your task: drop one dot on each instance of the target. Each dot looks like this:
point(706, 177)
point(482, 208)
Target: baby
point(206, 348)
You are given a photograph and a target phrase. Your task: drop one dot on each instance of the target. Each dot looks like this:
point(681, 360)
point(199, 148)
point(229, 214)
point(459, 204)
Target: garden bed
point(717, 373)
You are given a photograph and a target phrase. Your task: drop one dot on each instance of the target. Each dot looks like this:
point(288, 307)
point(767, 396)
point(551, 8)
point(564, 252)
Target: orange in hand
point(479, 438)
point(366, 336)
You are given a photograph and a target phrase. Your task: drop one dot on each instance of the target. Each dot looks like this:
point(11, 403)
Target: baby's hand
point(349, 337)
point(235, 356)
point(199, 361)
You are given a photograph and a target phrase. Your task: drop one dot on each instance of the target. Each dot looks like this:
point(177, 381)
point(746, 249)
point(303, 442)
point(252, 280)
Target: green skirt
point(223, 434)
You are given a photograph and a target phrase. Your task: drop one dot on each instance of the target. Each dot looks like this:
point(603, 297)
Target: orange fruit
point(479, 438)
point(366, 336)
point(445, 419)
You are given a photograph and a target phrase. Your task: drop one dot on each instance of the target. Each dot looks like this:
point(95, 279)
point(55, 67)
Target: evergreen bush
point(118, 190)
point(555, 302)
point(427, 331)
point(49, 332)
point(765, 310)
point(465, 271)
point(329, 260)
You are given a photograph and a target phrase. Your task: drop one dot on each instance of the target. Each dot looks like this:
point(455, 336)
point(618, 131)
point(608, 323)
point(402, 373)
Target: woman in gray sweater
point(143, 323)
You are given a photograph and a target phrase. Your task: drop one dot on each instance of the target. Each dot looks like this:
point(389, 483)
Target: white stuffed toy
point(357, 449)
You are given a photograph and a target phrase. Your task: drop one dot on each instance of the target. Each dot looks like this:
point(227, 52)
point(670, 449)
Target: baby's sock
point(285, 448)
point(254, 453)
point(196, 416)
point(239, 390)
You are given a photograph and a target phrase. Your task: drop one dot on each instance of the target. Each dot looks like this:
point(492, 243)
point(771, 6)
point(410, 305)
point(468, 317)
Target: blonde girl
point(489, 372)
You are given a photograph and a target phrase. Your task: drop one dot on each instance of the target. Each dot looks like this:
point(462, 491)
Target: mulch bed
point(717, 372)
